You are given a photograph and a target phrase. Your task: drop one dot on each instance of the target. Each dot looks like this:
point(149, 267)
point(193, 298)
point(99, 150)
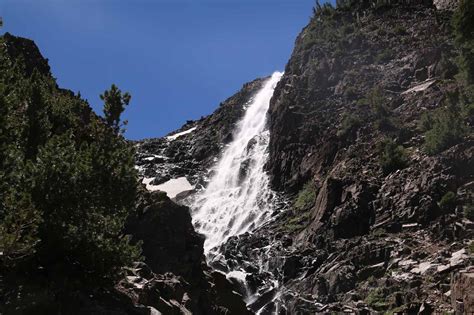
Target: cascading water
point(237, 198)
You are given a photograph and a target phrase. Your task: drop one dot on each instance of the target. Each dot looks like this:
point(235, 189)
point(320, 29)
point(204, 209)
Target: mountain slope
point(372, 144)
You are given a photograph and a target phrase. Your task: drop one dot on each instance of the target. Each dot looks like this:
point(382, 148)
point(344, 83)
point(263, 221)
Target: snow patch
point(172, 187)
point(239, 275)
point(179, 134)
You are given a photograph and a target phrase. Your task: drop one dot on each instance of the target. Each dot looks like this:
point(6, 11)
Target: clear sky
point(178, 58)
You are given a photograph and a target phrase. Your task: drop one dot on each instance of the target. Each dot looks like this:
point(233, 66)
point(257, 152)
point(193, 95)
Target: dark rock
point(462, 291)
point(227, 297)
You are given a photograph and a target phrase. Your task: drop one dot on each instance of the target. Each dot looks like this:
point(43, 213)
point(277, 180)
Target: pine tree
point(114, 105)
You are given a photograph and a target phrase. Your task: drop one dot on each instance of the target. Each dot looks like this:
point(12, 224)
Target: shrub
point(469, 213)
point(470, 248)
point(463, 24)
point(400, 30)
point(447, 129)
point(325, 10)
point(383, 56)
point(306, 197)
point(448, 201)
point(392, 156)
point(349, 124)
point(377, 103)
point(297, 223)
point(376, 299)
point(426, 122)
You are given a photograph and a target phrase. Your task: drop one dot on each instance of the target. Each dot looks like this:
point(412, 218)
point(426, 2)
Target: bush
point(469, 213)
point(297, 223)
point(400, 30)
point(448, 201)
point(306, 197)
point(383, 56)
point(470, 248)
point(447, 129)
point(376, 299)
point(325, 10)
point(463, 23)
point(376, 101)
point(392, 156)
point(349, 124)
point(426, 122)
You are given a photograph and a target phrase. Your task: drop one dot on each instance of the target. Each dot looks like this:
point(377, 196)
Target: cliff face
point(340, 61)
point(192, 150)
point(364, 234)
point(374, 222)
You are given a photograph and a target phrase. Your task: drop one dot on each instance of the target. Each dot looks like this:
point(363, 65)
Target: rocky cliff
point(379, 217)
point(366, 235)
point(371, 154)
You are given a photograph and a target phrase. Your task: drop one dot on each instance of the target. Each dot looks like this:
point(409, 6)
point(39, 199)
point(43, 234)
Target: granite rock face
point(193, 154)
point(351, 235)
point(369, 240)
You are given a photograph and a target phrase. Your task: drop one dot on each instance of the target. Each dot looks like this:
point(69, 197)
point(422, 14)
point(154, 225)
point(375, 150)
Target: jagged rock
point(462, 291)
point(169, 241)
point(227, 297)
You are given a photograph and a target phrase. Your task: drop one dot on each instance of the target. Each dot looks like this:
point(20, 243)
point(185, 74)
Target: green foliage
point(447, 128)
point(85, 193)
point(376, 101)
point(67, 179)
point(426, 122)
point(321, 11)
point(469, 213)
point(448, 201)
point(463, 22)
point(383, 56)
point(376, 299)
point(349, 124)
point(114, 105)
point(392, 156)
point(400, 30)
point(306, 197)
point(297, 223)
point(470, 248)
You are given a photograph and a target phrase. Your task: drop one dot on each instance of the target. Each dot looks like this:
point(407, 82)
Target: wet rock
point(228, 297)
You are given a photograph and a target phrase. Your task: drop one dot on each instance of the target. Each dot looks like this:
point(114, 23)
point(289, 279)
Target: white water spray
point(237, 198)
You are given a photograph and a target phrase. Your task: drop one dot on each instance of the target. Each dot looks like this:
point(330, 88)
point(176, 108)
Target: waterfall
point(238, 197)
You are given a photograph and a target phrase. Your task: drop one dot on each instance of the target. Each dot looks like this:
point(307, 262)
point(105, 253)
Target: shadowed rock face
point(368, 238)
point(174, 278)
point(170, 243)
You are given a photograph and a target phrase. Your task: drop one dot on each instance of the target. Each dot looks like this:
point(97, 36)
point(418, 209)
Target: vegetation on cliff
point(67, 183)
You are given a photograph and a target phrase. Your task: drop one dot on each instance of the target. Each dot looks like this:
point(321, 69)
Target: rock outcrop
point(370, 240)
point(356, 236)
point(192, 154)
point(174, 277)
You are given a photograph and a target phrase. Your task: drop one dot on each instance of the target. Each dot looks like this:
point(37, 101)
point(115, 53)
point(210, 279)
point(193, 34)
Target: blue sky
point(179, 59)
